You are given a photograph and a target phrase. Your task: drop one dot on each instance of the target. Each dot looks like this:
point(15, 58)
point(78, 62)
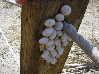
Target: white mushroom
point(66, 10)
point(50, 48)
point(49, 43)
point(49, 60)
point(59, 17)
point(48, 31)
point(57, 41)
point(63, 37)
point(53, 35)
point(62, 48)
point(58, 26)
point(60, 51)
point(57, 47)
point(57, 56)
point(54, 54)
point(43, 40)
point(48, 57)
point(54, 60)
point(60, 44)
point(59, 33)
point(49, 22)
point(64, 43)
point(45, 54)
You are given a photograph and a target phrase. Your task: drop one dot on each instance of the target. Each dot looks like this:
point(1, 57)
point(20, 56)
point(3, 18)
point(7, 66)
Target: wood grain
point(34, 13)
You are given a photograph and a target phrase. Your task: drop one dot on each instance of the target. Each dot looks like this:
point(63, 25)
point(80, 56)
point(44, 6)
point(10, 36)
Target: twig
point(13, 2)
point(92, 52)
point(78, 66)
point(75, 65)
point(13, 54)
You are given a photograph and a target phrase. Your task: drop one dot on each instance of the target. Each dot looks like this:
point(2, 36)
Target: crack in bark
point(39, 25)
point(34, 49)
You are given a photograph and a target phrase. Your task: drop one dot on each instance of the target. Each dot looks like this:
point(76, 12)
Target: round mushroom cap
point(66, 10)
point(45, 54)
point(60, 51)
point(53, 35)
point(48, 31)
point(49, 22)
point(49, 43)
point(50, 48)
point(58, 26)
point(59, 17)
point(43, 40)
point(54, 60)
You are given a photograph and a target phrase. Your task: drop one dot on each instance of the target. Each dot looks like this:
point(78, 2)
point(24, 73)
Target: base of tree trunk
point(33, 16)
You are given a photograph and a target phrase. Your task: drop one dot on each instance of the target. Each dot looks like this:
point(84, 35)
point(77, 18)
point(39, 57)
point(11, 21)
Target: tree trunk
point(33, 16)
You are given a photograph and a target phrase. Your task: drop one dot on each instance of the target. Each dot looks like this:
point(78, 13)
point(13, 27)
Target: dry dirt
point(10, 38)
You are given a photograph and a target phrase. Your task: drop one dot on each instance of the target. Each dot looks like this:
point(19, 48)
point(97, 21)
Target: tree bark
point(34, 13)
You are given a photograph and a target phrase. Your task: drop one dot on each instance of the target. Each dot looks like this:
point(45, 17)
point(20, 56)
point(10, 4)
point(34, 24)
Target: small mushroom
point(49, 43)
point(57, 56)
point(66, 10)
point(45, 54)
point(58, 26)
point(64, 43)
point(54, 54)
point(48, 31)
point(50, 48)
point(62, 48)
point(60, 51)
point(54, 60)
point(53, 35)
point(57, 47)
point(59, 17)
point(43, 40)
point(60, 44)
point(59, 33)
point(63, 37)
point(57, 41)
point(49, 60)
point(49, 22)
point(48, 57)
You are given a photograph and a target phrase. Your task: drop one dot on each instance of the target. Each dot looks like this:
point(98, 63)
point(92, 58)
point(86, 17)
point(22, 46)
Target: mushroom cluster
point(54, 39)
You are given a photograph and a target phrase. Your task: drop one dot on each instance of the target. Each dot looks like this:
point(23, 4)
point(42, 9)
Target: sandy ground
point(10, 38)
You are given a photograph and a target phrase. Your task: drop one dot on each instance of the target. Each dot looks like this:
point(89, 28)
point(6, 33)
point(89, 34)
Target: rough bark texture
point(33, 16)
